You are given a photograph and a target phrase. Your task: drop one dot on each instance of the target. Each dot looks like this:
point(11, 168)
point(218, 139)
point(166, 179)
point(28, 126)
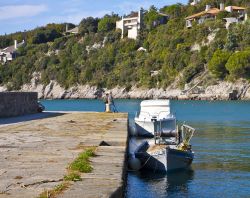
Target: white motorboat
point(158, 110)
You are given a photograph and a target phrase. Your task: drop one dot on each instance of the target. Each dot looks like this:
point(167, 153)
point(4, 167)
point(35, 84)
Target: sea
point(221, 167)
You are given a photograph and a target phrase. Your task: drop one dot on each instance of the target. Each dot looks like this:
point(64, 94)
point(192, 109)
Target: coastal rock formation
point(3, 88)
point(54, 91)
point(221, 90)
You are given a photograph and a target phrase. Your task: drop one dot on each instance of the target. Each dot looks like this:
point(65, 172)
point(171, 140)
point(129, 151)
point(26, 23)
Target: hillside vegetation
point(97, 56)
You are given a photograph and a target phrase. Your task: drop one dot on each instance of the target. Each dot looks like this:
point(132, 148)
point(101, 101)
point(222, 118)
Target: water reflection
point(158, 184)
point(224, 148)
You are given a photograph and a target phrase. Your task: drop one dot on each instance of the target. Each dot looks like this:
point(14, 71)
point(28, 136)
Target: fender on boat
point(134, 163)
point(133, 131)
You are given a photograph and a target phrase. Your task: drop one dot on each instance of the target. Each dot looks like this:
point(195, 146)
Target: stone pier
point(35, 154)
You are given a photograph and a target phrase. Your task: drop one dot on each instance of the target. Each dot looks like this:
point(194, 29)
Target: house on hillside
point(131, 24)
point(208, 13)
point(211, 13)
point(239, 13)
point(74, 30)
point(194, 2)
point(9, 53)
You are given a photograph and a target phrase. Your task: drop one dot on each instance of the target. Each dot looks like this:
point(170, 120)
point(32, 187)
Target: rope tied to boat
point(130, 170)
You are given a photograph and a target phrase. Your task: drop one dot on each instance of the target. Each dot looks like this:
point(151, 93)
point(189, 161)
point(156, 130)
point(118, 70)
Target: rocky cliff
point(219, 90)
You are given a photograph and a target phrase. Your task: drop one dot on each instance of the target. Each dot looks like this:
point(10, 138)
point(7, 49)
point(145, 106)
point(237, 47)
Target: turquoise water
point(221, 167)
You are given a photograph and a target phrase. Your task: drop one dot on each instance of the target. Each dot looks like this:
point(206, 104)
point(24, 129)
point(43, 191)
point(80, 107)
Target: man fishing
point(109, 102)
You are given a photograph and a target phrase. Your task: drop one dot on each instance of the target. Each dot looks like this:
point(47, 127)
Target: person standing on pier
point(109, 102)
point(106, 102)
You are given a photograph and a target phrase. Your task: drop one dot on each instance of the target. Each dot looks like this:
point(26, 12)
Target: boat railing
point(187, 133)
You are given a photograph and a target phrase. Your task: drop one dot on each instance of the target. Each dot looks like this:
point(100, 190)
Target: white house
point(239, 11)
point(194, 2)
point(131, 24)
point(230, 20)
point(9, 53)
point(208, 13)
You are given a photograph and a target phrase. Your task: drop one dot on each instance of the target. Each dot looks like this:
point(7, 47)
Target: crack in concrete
point(2, 172)
point(6, 189)
point(41, 182)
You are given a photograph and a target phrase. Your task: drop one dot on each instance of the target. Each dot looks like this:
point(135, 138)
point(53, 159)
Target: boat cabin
point(155, 116)
point(158, 109)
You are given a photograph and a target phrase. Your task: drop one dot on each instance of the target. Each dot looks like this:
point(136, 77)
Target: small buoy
point(134, 163)
point(133, 131)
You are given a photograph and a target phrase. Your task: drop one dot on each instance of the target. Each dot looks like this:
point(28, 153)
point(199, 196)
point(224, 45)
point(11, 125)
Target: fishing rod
point(115, 109)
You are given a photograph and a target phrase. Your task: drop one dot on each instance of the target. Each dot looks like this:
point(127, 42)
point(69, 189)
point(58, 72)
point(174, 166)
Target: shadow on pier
point(30, 117)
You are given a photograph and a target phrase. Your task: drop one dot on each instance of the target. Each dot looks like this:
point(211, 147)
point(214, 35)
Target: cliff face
point(220, 91)
point(195, 90)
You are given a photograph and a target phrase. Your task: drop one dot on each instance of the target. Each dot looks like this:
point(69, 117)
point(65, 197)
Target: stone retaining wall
point(17, 103)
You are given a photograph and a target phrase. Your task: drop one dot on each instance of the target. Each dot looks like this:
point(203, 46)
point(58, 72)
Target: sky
point(20, 15)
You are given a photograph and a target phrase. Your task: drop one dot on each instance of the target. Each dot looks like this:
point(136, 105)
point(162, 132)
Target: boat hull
point(177, 159)
point(165, 160)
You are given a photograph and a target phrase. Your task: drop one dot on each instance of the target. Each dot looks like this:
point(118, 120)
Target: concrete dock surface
point(35, 154)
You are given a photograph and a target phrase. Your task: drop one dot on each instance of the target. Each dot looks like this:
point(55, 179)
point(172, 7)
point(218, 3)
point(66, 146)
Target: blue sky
point(20, 15)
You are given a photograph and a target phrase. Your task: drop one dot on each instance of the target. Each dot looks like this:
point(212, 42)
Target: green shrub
point(192, 70)
point(107, 23)
point(88, 25)
point(217, 64)
point(238, 65)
